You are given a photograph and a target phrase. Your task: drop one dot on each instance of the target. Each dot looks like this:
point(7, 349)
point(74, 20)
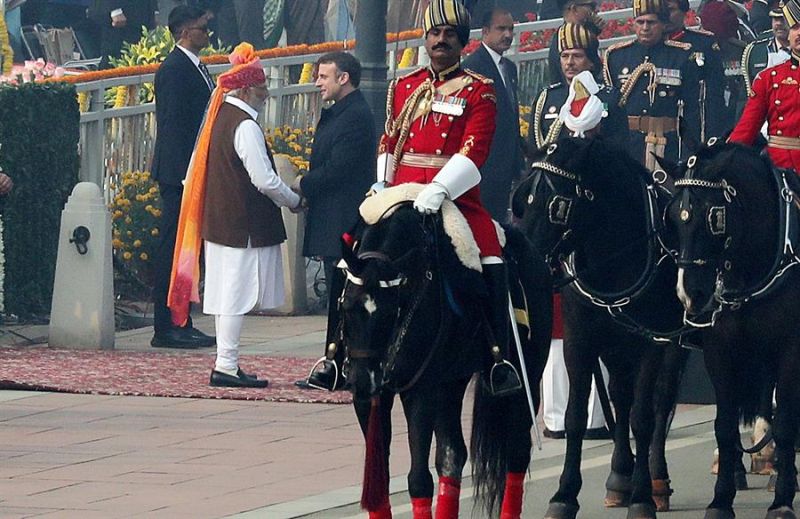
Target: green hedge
point(39, 133)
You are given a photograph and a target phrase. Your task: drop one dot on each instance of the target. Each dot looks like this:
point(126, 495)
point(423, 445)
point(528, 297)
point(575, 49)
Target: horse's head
point(389, 259)
point(705, 215)
point(549, 202)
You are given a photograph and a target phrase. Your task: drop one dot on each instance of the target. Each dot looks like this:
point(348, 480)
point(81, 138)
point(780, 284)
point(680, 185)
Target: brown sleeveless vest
point(234, 209)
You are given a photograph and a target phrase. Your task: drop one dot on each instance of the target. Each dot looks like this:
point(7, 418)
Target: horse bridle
point(391, 353)
point(716, 219)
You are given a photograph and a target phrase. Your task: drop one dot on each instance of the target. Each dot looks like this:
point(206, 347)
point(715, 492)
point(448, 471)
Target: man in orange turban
point(232, 201)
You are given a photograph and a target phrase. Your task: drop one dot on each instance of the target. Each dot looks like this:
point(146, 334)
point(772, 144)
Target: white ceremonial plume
point(583, 85)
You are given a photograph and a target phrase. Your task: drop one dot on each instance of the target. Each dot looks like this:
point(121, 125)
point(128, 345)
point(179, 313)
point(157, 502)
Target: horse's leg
point(451, 451)
point(642, 426)
point(419, 406)
point(785, 427)
point(362, 406)
point(668, 382)
point(579, 359)
point(726, 426)
point(620, 387)
point(763, 461)
point(518, 434)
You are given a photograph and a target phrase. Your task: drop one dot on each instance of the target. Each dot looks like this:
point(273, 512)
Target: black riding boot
point(502, 378)
point(327, 372)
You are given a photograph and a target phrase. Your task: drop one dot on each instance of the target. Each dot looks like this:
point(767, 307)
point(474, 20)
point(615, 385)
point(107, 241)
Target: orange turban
point(246, 71)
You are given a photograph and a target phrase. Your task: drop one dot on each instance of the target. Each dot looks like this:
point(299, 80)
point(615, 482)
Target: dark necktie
point(206, 75)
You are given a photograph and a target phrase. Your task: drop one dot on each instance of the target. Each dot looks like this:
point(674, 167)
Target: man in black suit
point(505, 156)
point(342, 168)
point(182, 90)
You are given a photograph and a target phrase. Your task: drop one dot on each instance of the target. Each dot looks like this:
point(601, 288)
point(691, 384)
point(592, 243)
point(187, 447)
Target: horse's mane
point(732, 160)
point(401, 233)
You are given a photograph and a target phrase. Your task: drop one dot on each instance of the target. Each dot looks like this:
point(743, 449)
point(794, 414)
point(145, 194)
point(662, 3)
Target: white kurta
point(238, 280)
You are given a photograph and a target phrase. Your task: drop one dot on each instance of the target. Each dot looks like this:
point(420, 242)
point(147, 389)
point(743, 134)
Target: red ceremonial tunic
point(776, 99)
point(441, 135)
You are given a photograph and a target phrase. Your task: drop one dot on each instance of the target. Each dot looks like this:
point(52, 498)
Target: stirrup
point(503, 379)
point(323, 364)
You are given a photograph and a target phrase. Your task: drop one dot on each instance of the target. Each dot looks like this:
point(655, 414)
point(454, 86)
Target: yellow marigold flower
point(127, 256)
point(143, 256)
point(137, 243)
point(128, 220)
point(154, 231)
point(308, 151)
point(129, 233)
point(148, 208)
point(116, 243)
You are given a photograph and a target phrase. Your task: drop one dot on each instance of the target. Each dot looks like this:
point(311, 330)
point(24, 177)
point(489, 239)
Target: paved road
point(689, 451)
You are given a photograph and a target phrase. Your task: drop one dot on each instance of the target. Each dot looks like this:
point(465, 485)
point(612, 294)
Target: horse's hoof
point(616, 499)
point(784, 512)
point(558, 510)
point(618, 490)
point(761, 465)
point(641, 511)
point(773, 480)
point(719, 513)
point(661, 493)
point(715, 462)
point(740, 480)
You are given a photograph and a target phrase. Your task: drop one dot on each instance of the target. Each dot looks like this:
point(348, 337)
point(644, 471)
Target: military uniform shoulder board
point(678, 44)
point(410, 74)
point(480, 77)
point(698, 30)
point(620, 45)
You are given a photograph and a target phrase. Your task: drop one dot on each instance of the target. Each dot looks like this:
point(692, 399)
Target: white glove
point(430, 199)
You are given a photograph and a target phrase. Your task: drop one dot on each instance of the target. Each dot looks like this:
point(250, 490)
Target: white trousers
point(229, 330)
point(555, 392)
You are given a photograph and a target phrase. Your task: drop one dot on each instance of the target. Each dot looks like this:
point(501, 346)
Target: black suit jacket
point(505, 155)
point(342, 168)
point(181, 98)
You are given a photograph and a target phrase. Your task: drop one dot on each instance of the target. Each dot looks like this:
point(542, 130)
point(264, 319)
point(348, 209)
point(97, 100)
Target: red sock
point(447, 501)
point(512, 499)
point(385, 512)
point(421, 507)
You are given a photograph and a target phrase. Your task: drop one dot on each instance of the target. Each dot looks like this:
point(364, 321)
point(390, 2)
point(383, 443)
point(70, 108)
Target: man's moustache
point(441, 46)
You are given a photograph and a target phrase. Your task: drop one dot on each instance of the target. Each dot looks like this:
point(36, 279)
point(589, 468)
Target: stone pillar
point(371, 51)
point(82, 315)
point(294, 265)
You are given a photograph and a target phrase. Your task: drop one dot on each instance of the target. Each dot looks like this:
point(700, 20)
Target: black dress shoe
point(206, 341)
point(175, 338)
point(555, 435)
point(219, 379)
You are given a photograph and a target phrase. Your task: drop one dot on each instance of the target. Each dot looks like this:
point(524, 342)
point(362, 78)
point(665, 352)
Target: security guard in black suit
point(656, 84)
point(577, 47)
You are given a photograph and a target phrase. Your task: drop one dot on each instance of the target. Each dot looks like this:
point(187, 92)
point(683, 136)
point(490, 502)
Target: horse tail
point(375, 488)
point(490, 448)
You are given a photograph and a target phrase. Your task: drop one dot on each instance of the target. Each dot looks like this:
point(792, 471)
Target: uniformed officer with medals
point(657, 87)
point(775, 99)
point(769, 50)
point(721, 20)
point(578, 54)
point(706, 59)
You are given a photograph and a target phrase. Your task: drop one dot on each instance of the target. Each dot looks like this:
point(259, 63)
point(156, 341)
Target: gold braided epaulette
point(480, 77)
point(620, 45)
point(678, 44)
point(698, 30)
point(412, 73)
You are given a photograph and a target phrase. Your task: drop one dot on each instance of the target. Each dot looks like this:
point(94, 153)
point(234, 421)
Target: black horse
point(737, 222)
point(413, 325)
point(594, 208)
